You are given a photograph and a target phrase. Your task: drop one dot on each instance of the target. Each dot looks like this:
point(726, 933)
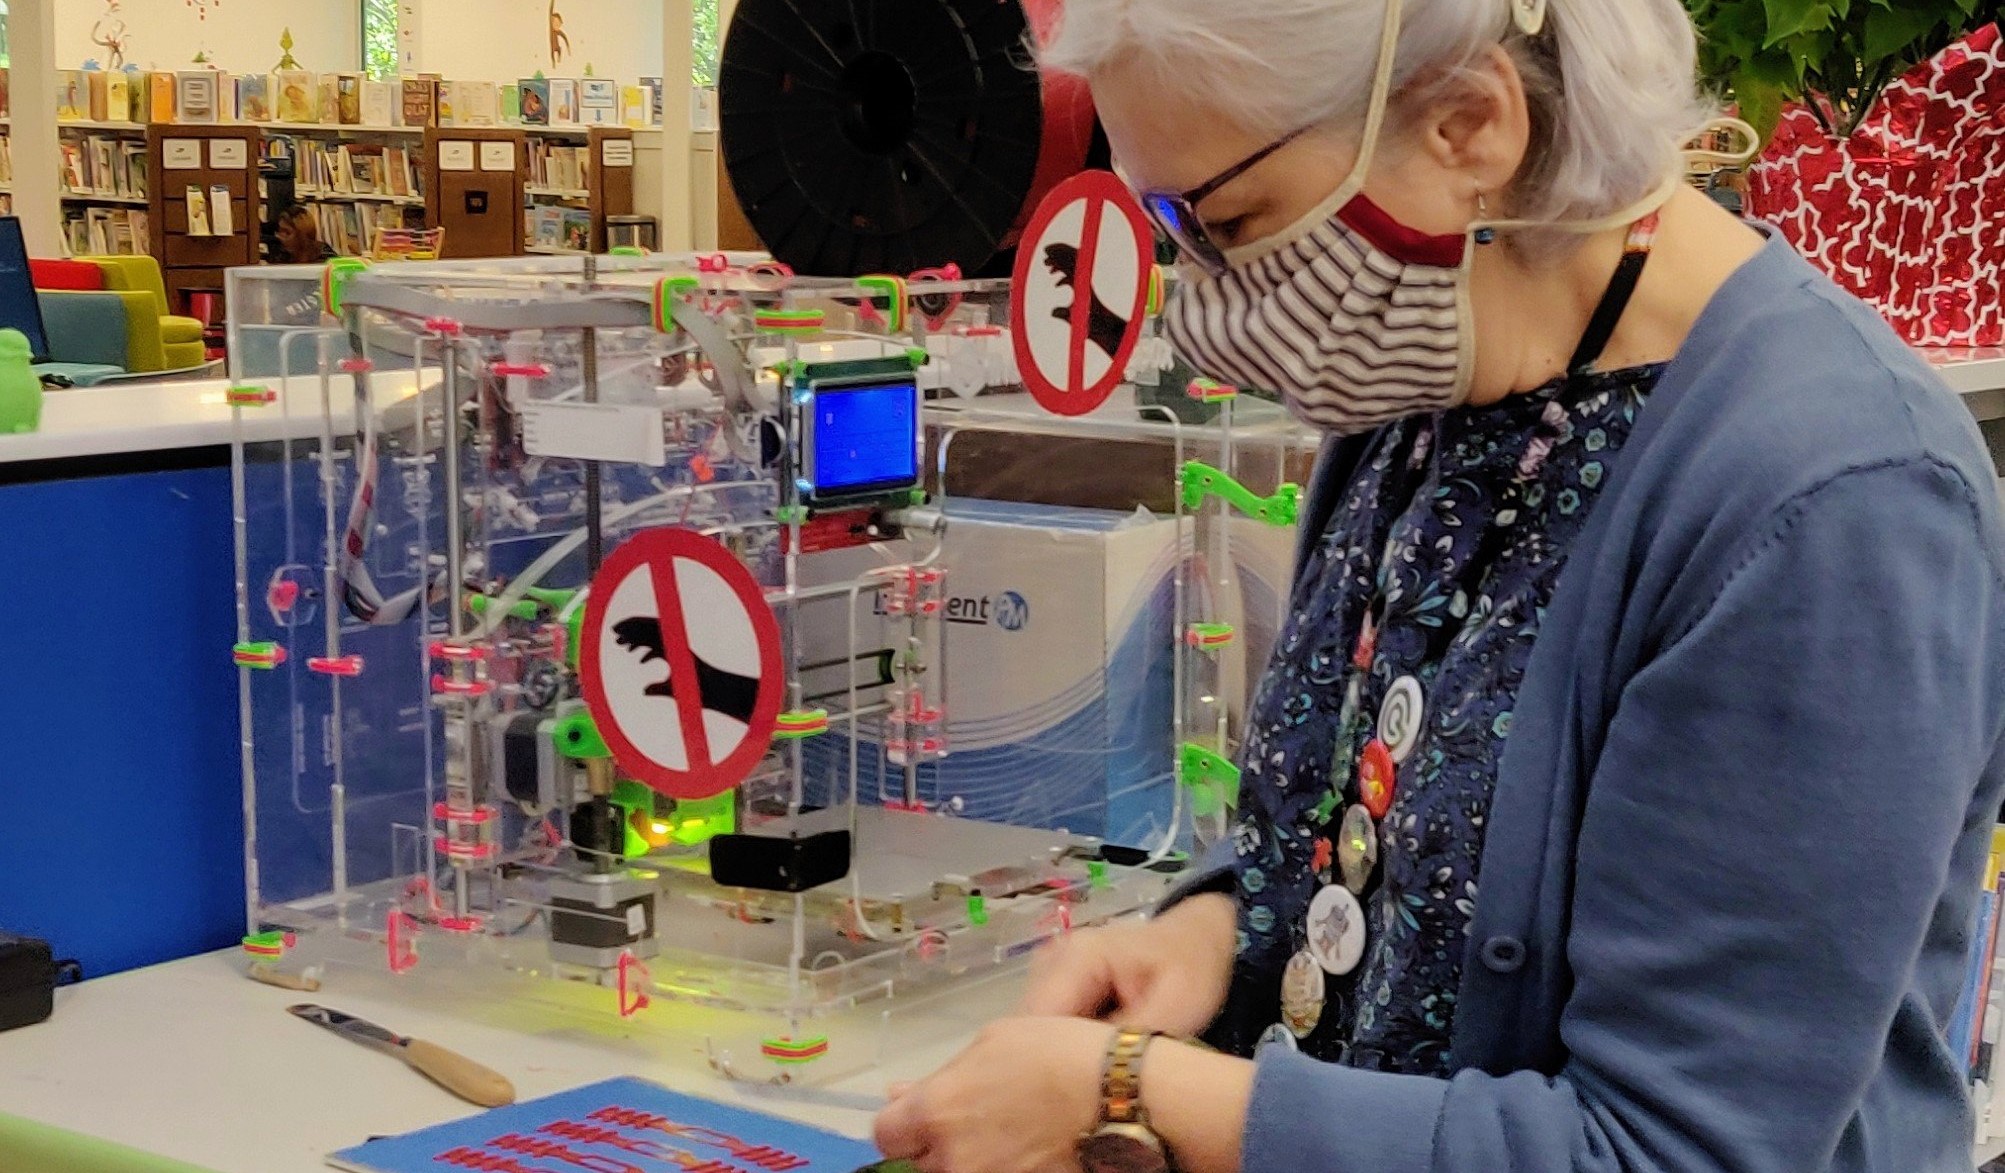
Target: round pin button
point(1375, 778)
point(1400, 716)
point(1277, 1035)
point(1357, 848)
point(1336, 928)
point(1304, 988)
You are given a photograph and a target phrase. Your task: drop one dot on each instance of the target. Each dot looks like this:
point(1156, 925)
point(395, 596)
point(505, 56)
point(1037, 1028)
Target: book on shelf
point(195, 96)
point(73, 95)
point(107, 231)
point(350, 228)
point(448, 103)
point(298, 95)
point(100, 94)
point(545, 227)
point(653, 85)
point(160, 97)
point(6, 94)
point(104, 165)
point(197, 202)
point(329, 104)
point(599, 101)
point(6, 204)
point(577, 229)
point(420, 101)
point(347, 99)
point(254, 97)
point(535, 101)
point(118, 97)
point(511, 104)
point(559, 165)
point(563, 101)
point(379, 103)
point(636, 106)
point(226, 98)
point(6, 159)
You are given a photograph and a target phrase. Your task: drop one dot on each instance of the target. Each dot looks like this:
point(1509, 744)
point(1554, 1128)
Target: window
point(708, 43)
point(379, 38)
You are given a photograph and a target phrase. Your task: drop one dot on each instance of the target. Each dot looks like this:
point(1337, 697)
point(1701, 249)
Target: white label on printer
point(636, 920)
point(594, 431)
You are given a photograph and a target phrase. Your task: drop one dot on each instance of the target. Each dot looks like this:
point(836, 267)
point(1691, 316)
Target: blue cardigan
point(1730, 879)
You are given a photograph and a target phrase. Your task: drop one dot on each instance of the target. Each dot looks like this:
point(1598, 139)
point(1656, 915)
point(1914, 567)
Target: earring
point(1484, 233)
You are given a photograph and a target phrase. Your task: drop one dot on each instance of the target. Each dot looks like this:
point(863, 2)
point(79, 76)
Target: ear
point(1476, 121)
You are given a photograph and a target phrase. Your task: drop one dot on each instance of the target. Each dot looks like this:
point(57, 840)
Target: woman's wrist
point(1196, 1101)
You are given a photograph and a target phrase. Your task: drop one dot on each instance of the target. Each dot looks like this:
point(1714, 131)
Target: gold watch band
point(1121, 1078)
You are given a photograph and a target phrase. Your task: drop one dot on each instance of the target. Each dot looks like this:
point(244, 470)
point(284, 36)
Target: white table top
point(151, 417)
point(192, 1060)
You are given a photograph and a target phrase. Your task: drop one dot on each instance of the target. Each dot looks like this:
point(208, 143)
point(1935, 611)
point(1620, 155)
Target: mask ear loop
point(1381, 98)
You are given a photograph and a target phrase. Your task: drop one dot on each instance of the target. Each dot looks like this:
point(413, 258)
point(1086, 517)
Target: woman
point(1617, 797)
point(299, 238)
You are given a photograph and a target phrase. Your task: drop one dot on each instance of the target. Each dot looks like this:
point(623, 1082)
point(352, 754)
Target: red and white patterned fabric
point(1909, 213)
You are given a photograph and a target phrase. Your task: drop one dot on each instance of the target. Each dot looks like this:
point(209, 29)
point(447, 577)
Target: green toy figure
point(20, 389)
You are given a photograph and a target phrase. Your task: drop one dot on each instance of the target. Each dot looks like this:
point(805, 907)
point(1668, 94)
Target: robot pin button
point(1082, 283)
point(1336, 930)
point(680, 663)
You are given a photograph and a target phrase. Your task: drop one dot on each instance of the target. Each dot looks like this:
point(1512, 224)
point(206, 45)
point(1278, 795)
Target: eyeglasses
point(1175, 213)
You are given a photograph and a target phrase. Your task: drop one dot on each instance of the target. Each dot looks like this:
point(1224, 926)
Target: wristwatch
point(1123, 1142)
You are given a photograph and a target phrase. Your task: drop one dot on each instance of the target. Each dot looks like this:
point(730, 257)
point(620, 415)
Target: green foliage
point(709, 41)
point(379, 38)
point(1767, 53)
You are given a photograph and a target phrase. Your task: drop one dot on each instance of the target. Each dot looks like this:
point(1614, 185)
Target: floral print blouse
point(1372, 744)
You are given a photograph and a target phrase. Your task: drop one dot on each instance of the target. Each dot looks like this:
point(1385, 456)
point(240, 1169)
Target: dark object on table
point(768, 864)
point(29, 975)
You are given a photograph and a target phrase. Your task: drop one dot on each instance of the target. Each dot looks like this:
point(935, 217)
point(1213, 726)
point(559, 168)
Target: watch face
point(1113, 1152)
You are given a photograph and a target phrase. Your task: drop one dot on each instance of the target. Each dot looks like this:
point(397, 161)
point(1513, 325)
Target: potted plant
point(1884, 131)
point(1833, 56)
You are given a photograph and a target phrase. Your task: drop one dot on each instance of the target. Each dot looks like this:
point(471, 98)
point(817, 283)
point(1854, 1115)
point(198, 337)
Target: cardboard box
point(1059, 665)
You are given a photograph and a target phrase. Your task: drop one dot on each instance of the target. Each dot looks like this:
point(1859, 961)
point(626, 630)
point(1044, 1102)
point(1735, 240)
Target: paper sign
point(229, 154)
point(679, 661)
point(617, 152)
point(222, 222)
point(456, 155)
point(1081, 284)
point(181, 154)
point(594, 431)
point(497, 156)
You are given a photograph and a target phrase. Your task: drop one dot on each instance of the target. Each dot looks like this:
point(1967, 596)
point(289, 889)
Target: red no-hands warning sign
point(1082, 282)
point(680, 663)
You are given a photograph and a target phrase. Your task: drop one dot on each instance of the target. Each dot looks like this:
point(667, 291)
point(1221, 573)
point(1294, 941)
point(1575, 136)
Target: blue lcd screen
point(863, 439)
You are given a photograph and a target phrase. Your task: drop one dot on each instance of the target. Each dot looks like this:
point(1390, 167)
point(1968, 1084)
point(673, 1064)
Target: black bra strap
point(1608, 315)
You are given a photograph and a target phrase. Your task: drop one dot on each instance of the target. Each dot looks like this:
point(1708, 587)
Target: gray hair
point(1611, 84)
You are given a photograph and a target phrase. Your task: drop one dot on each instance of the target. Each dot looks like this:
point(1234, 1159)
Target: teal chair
point(87, 335)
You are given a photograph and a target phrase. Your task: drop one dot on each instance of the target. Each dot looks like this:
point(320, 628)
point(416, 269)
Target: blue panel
point(119, 784)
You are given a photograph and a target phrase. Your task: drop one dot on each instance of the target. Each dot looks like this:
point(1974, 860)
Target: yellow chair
point(180, 338)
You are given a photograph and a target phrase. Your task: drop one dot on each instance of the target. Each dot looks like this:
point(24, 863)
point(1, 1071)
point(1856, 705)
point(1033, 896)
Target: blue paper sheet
point(619, 1126)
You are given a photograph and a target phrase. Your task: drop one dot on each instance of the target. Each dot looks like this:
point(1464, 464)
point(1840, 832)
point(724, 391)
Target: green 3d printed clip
point(250, 395)
point(666, 292)
point(334, 281)
point(578, 737)
point(269, 946)
point(978, 910)
point(794, 1052)
point(1209, 636)
point(1201, 480)
point(797, 725)
point(624, 250)
point(1213, 780)
point(789, 321)
point(264, 656)
point(1158, 292)
point(1211, 391)
point(892, 290)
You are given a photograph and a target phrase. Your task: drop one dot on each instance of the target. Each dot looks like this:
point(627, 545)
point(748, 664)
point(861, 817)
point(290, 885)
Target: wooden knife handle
point(459, 1075)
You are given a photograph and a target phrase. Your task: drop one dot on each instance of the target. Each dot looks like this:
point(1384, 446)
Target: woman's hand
point(1017, 1100)
point(1168, 974)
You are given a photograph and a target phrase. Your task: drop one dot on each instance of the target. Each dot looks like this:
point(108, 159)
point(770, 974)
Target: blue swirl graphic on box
point(1092, 757)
